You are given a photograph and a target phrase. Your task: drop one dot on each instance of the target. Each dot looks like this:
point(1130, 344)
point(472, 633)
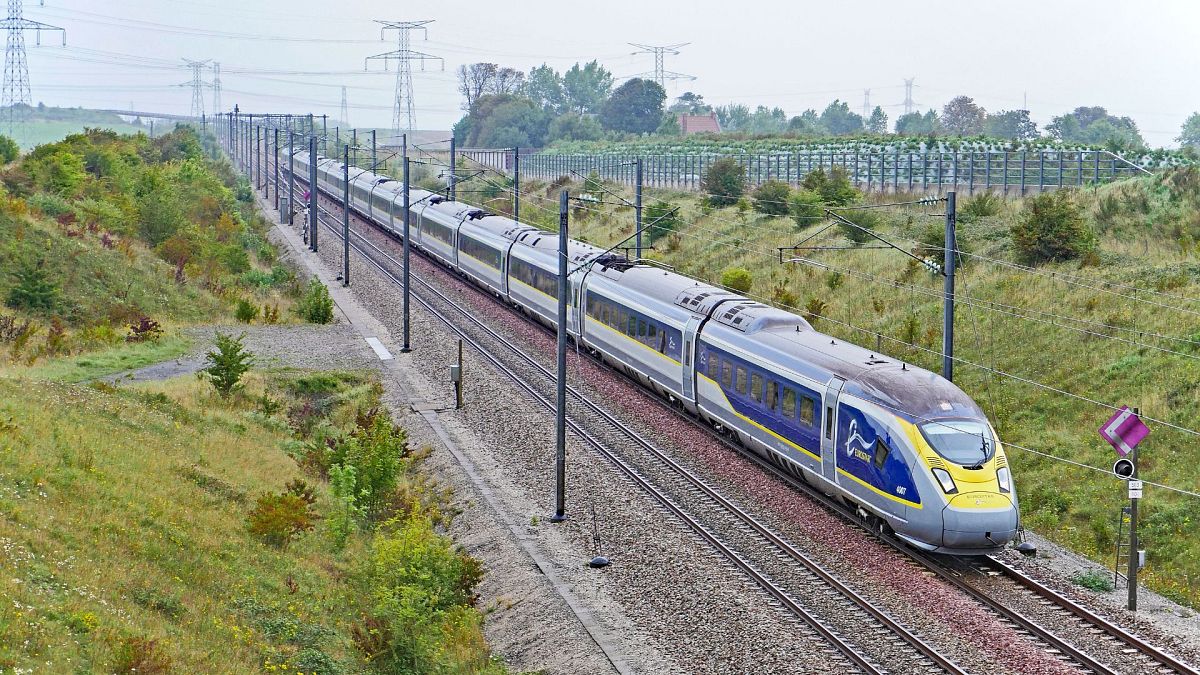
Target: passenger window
point(789, 402)
point(807, 408)
point(641, 328)
point(662, 342)
point(756, 387)
point(726, 374)
point(687, 353)
point(881, 453)
point(714, 365)
point(741, 380)
point(631, 327)
point(829, 423)
point(772, 394)
point(652, 331)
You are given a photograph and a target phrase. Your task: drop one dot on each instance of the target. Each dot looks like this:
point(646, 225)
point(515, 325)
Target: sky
point(1135, 58)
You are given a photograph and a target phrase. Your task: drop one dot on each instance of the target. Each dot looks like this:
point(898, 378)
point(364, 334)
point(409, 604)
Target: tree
point(771, 198)
point(878, 123)
point(1014, 124)
point(838, 120)
point(587, 87)
point(724, 182)
point(1189, 133)
point(807, 123)
point(34, 289)
point(9, 150)
point(916, 124)
point(733, 117)
point(474, 81)
point(635, 107)
point(1052, 227)
point(512, 122)
point(766, 121)
point(962, 117)
point(544, 86)
point(665, 219)
point(572, 127)
point(227, 363)
point(1093, 125)
point(690, 103)
point(507, 81)
point(669, 126)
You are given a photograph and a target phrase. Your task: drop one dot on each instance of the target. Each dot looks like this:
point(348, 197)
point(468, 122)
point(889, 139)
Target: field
point(1122, 328)
point(50, 125)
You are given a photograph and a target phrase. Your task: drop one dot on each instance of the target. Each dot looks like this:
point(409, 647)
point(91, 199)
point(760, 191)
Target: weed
point(12, 328)
point(782, 296)
point(82, 622)
point(814, 310)
point(1093, 580)
point(270, 313)
point(143, 656)
point(982, 205)
point(168, 605)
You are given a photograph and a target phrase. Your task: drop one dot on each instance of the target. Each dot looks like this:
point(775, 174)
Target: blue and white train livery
point(911, 451)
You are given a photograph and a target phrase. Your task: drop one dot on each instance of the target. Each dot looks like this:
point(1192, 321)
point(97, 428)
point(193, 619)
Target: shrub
point(865, 220)
point(1052, 228)
point(981, 205)
point(270, 313)
point(738, 279)
point(142, 656)
point(724, 182)
point(316, 306)
point(834, 187)
point(815, 309)
point(783, 296)
point(1093, 580)
point(227, 363)
point(665, 222)
point(346, 512)
point(423, 589)
point(9, 150)
point(245, 311)
point(771, 198)
point(34, 289)
point(277, 519)
point(806, 207)
point(144, 330)
point(374, 449)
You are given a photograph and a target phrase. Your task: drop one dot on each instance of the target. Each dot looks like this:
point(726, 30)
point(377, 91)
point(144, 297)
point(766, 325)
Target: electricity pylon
point(16, 68)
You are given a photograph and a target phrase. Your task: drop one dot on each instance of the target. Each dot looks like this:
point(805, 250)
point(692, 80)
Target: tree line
point(506, 107)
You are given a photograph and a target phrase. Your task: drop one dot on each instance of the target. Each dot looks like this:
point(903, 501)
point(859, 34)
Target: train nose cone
point(979, 520)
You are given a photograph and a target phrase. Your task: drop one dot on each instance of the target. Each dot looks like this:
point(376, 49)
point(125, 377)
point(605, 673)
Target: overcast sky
point(1135, 58)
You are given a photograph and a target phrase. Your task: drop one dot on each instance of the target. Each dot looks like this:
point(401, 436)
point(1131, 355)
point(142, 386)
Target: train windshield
point(960, 441)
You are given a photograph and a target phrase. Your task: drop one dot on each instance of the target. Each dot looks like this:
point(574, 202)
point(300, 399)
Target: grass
point(54, 124)
point(1148, 229)
point(92, 365)
point(124, 541)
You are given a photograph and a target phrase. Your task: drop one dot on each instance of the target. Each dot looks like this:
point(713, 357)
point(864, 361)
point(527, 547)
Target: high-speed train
point(909, 450)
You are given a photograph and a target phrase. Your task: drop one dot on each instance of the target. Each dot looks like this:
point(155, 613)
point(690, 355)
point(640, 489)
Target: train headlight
point(1004, 478)
point(947, 482)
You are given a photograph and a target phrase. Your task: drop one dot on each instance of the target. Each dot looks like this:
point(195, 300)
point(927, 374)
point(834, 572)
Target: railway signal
point(1125, 431)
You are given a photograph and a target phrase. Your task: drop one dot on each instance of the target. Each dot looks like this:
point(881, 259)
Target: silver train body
point(911, 451)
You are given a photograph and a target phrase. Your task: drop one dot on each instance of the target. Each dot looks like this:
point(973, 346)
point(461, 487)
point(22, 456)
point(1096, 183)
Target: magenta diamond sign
point(1124, 431)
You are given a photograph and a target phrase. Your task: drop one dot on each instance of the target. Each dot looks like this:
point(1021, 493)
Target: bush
point(865, 220)
point(806, 207)
point(276, 519)
point(316, 306)
point(345, 514)
point(270, 313)
point(423, 589)
point(834, 187)
point(665, 222)
point(145, 330)
point(724, 182)
point(981, 205)
point(771, 198)
point(245, 311)
point(374, 450)
point(1052, 228)
point(1093, 580)
point(9, 150)
point(227, 363)
point(34, 289)
point(738, 279)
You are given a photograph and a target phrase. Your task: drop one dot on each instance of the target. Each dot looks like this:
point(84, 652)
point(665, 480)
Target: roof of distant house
point(695, 124)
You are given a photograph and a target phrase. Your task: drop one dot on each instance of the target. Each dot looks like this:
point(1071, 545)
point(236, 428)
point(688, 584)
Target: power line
point(403, 117)
point(216, 85)
point(16, 67)
point(197, 84)
point(660, 74)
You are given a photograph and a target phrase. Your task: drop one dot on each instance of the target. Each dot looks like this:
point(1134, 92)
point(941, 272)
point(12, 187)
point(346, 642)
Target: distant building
point(697, 124)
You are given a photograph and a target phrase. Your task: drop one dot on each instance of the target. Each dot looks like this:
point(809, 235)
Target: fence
point(1004, 171)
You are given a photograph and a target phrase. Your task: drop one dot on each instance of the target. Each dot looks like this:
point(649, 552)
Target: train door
point(829, 429)
point(689, 367)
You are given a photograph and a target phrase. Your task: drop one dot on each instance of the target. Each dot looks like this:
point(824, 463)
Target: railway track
point(904, 651)
point(1148, 658)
